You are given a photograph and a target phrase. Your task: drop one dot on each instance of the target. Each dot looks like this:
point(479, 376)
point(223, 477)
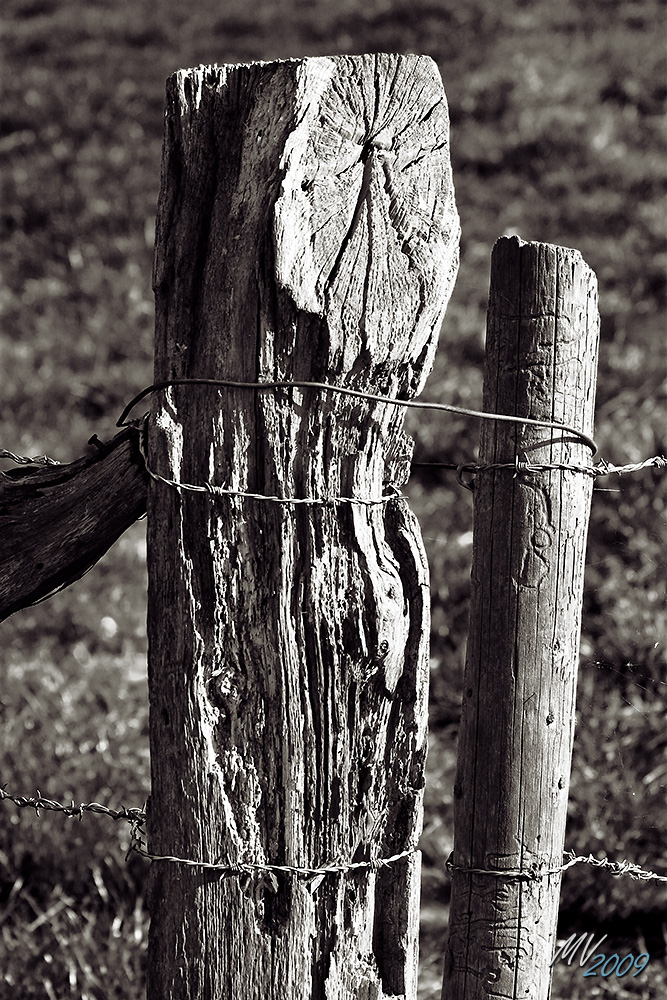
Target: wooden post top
point(330, 178)
point(306, 231)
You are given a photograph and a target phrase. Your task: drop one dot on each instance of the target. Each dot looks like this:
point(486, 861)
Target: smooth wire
point(416, 404)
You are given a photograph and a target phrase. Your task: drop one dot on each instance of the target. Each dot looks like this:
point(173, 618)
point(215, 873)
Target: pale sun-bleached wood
point(306, 230)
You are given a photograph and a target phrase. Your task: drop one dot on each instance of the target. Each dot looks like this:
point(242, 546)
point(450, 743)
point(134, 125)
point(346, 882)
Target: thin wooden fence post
point(517, 725)
point(306, 231)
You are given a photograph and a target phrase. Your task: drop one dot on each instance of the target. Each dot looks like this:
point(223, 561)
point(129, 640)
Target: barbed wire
point(519, 466)
point(243, 868)
point(534, 872)
point(392, 494)
point(38, 802)
point(617, 868)
point(137, 818)
point(603, 468)
point(24, 460)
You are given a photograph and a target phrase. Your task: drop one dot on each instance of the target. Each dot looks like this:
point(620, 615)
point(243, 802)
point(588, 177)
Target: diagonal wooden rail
point(56, 521)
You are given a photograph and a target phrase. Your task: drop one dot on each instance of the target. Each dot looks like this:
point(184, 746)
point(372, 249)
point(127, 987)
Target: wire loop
point(359, 394)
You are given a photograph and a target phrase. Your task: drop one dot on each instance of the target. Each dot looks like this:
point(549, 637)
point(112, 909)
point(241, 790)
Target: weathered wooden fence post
point(517, 725)
point(306, 231)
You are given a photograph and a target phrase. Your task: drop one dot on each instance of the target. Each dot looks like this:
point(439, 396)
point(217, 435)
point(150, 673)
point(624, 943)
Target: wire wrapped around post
point(531, 512)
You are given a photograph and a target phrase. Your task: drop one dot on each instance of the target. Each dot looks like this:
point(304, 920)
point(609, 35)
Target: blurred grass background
point(557, 134)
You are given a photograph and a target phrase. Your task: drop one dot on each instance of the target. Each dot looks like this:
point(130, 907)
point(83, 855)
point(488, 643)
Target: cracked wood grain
point(56, 521)
point(288, 645)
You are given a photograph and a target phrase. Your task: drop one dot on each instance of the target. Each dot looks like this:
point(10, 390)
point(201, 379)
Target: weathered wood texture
point(517, 725)
point(56, 521)
point(306, 230)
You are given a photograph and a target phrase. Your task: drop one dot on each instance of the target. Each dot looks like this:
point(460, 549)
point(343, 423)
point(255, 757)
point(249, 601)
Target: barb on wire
point(615, 868)
point(534, 872)
point(137, 819)
point(463, 470)
point(24, 460)
point(602, 468)
point(38, 802)
point(253, 867)
point(392, 494)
